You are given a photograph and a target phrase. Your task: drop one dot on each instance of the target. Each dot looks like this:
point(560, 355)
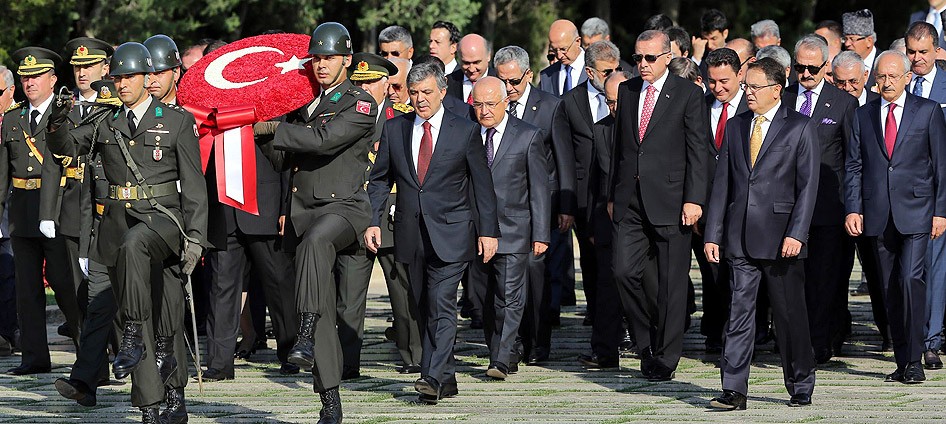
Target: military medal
point(157, 154)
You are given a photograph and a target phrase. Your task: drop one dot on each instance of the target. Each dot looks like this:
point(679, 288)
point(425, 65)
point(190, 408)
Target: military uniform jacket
point(17, 160)
point(64, 205)
point(326, 153)
point(164, 146)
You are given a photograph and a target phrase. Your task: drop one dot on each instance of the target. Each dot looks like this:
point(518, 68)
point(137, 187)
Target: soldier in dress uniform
point(162, 84)
point(23, 153)
point(370, 72)
point(325, 146)
point(156, 212)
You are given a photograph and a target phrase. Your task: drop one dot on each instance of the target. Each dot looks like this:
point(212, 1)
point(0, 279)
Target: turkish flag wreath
point(250, 80)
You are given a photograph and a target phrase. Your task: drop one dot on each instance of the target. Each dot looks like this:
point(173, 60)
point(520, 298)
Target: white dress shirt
point(42, 108)
point(897, 111)
point(577, 67)
point(717, 110)
point(521, 103)
point(659, 85)
point(869, 60)
point(139, 110)
point(593, 103)
point(91, 99)
point(927, 83)
point(500, 130)
point(467, 88)
point(418, 133)
point(769, 116)
point(450, 67)
point(862, 100)
point(815, 94)
point(934, 17)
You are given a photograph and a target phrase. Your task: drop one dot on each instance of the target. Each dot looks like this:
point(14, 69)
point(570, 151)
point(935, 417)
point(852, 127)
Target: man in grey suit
point(516, 157)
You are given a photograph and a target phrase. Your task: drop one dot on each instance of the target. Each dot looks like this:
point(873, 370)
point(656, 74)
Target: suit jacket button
point(294, 189)
point(131, 143)
point(890, 169)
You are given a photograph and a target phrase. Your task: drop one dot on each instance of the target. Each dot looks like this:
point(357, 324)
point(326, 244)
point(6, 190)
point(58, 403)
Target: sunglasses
point(812, 69)
point(394, 53)
point(650, 58)
point(608, 72)
point(515, 81)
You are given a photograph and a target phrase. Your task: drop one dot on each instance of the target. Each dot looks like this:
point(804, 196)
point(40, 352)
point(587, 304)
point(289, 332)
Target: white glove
point(48, 228)
point(84, 266)
point(391, 212)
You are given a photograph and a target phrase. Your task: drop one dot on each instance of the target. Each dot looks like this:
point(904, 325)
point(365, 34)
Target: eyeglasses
point(841, 83)
point(607, 72)
point(650, 58)
point(853, 38)
point(559, 51)
point(487, 105)
point(515, 81)
point(744, 62)
point(812, 69)
point(752, 88)
point(385, 54)
point(881, 78)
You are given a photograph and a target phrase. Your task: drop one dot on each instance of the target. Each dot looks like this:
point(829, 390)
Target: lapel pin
point(827, 105)
point(534, 108)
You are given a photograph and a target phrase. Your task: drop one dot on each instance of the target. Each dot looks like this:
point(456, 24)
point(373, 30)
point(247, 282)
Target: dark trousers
point(536, 328)
point(584, 232)
point(316, 292)
point(607, 329)
point(407, 334)
point(902, 260)
point(716, 294)
point(352, 277)
point(8, 325)
point(98, 328)
point(870, 267)
point(825, 286)
point(657, 314)
point(246, 256)
point(29, 254)
point(786, 281)
point(503, 281)
point(560, 271)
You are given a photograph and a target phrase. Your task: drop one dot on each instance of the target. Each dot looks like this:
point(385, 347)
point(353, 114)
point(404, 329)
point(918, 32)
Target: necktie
point(755, 140)
point(890, 130)
point(568, 79)
point(649, 101)
point(918, 87)
point(34, 121)
point(490, 155)
point(721, 125)
point(469, 98)
point(131, 123)
point(426, 151)
point(936, 20)
point(806, 106)
point(514, 109)
point(602, 107)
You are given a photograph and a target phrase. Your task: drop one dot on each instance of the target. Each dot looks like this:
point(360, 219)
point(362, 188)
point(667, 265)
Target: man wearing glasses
point(851, 75)
point(395, 41)
point(831, 254)
point(566, 73)
point(859, 36)
point(658, 190)
point(758, 215)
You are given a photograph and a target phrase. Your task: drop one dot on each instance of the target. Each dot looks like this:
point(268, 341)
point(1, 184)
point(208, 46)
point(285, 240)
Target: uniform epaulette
point(403, 107)
point(175, 107)
point(15, 106)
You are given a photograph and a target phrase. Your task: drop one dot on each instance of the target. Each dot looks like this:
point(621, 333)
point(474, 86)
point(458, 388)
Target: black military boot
point(149, 415)
point(176, 412)
point(302, 353)
point(164, 356)
point(331, 412)
point(131, 351)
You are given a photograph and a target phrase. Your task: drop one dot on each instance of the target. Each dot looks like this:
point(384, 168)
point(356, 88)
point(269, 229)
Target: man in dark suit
point(474, 64)
point(725, 101)
point(438, 162)
point(658, 185)
point(935, 15)
point(860, 37)
point(854, 77)
point(568, 70)
point(897, 143)
point(759, 213)
point(830, 251)
point(515, 154)
point(929, 82)
point(547, 112)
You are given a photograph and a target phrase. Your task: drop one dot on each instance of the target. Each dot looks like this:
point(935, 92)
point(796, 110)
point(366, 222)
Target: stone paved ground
point(849, 389)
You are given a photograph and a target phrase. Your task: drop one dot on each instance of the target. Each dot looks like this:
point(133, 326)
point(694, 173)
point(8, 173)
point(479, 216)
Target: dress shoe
point(303, 352)
point(130, 352)
point(408, 369)
point(390, 334)
point(476, 323)
point(594, 361)
point(149, 415)
point(164, 355)
point(660, 372)
point(244, 354)
point(648, 363)
point(331, 412)
point(350, 373)
point(895, 377)
point(498, 370)
point(213, 374)
point(513, 369)
point(288, 369)
point(76, 390)
point(822, 355)
point(729, 401)
point(537, 356)
point(913, 374)
point(932, 360)
point(800, 400)
point(64, 330)
point(886, 346)
point(861, 290)
point(176, 411)
point(428, 386)
point(448, 390)
point(6, 347)
point(28, 369)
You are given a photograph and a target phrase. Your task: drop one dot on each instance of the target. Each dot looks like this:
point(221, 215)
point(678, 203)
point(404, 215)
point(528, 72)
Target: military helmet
point(164, 52)
point(330, 38)
point(130, 58)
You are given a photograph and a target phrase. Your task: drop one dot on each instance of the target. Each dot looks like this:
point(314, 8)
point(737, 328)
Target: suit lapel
point(746, 128)
point(327, 100)
point(509, 137)
point(823, 105)
point(634, 87)
point(584, 106)
point(120, 122)
point(442, 142)
point(906, 121)
point(873, 113)
point(661, 103)
point(532, 105)
point(938, 92)
point(774, 128)
point(408, 133)
point(149, 120)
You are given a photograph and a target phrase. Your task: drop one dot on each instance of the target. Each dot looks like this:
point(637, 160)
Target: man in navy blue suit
point(569, 71)
point(438, 161)
point(766, 186)
point(896, 174)
point(935, 15)
point(929, 82)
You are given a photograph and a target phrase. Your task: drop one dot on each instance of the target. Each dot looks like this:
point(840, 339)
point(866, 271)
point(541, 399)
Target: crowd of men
point(775, 169)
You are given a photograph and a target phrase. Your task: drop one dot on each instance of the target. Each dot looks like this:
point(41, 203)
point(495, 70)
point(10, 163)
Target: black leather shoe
point(428, 386)
point(800, 400)
point(288, 369)
point(895, 377)
point(660, 373)
point(331, 412)
point(886, 346)
point(648, 363)
point(28, 369)
point(303, 352)
point(729, 401)
point(448, 390)
point(64, 330)
point(76, 390)
point(130, 352)
point(513, 369)
point(498, 370)
point(932, 360)
point(537, 356)
point(913, 374)
point(164, 355)
point(861, 290)
point(594, 361)
point(176, 411)
point(627, 346)
point(408, 369)
point(213, 374)
point(390, 334)
point(244, 354)
point(349, 373)
point(149, 415)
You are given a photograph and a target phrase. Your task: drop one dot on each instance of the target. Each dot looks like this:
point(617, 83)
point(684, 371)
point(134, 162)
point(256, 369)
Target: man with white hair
point(593, 30)
point(765, 33)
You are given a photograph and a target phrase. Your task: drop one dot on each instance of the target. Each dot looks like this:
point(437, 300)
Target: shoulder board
point(402, 107)
point(15, 106)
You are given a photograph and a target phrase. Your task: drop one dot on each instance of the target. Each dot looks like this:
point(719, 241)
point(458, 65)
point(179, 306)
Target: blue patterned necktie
point(806, 106)
point(918, 87)
point(602, 107)
point(568, 79)
point(490, 155)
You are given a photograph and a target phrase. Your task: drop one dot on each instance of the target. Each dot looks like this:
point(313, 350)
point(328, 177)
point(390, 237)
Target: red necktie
point(721, 126)
point(649, 102)
point(426, 151)
point(469, 99)
point(890, 130)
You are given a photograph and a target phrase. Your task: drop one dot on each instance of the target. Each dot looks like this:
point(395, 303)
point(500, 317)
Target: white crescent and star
point(214, 72)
